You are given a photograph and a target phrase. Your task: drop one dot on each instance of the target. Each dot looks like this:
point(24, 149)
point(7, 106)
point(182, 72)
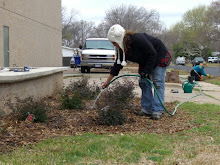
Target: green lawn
point(199, 145)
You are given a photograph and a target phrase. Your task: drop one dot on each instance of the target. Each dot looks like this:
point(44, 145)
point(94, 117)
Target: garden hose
point(172, 114)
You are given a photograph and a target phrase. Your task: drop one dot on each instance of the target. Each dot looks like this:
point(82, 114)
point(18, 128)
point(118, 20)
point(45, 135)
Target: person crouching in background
point(198, 71)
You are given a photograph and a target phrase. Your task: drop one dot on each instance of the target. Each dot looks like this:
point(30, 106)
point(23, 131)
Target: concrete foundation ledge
point(37, 83)
point(11, 76)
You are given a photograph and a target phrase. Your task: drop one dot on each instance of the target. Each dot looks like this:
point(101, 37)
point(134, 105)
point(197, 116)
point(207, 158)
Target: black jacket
point(145, 50)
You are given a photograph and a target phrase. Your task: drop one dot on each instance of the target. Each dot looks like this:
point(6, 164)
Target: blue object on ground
point(77, 60)
point(17, 70)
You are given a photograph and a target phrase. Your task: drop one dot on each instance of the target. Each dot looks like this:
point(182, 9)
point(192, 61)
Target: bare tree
point(134, 18)
point(100, 31)
point(169, 37)
point(67, 20)
point(213, 16)
point(79, 31)
point(86, 30)
point(66, 23)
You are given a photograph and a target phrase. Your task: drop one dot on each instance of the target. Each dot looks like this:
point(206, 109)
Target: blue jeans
point(150, 102)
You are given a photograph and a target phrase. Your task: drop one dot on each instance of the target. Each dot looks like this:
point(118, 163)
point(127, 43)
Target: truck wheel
point(83, 69)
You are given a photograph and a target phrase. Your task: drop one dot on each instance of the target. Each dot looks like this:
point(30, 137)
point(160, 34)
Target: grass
point(91, 148)
point(204, 113)
point(214, 64)
point(213, 80)
point(199, 145)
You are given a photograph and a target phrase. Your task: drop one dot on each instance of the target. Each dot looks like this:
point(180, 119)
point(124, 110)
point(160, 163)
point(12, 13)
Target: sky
point(170, 11)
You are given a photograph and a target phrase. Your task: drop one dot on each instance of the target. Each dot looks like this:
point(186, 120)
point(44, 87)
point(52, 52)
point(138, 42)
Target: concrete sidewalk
point(211, 93)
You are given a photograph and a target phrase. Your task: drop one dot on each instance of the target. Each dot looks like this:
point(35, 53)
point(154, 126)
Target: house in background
point(31, 33)
point(67, 54)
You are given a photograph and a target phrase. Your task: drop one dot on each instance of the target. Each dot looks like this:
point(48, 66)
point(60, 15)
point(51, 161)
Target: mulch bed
point(15, 133)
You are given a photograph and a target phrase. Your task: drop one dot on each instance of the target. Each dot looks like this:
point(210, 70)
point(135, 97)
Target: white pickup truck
point(97, 53)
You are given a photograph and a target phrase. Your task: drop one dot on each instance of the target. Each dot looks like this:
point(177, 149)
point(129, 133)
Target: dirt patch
point(74, 122)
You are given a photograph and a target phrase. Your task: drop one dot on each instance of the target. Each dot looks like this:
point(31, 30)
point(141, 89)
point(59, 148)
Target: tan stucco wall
point(37, 88)
point(35, 32)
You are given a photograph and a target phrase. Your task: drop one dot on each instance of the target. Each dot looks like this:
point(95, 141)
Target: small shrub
point(123, 93)
point(83, 89)
point(119, 95)
point(112, 116)
point(74, 94)
point(113, 101)
point(71, 101)
point(29, 106)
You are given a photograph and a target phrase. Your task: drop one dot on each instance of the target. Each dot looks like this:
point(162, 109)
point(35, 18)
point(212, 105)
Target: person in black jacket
point(151, 55)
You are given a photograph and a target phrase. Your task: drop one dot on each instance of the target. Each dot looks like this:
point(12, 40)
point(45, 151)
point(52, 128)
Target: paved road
point(213, 71)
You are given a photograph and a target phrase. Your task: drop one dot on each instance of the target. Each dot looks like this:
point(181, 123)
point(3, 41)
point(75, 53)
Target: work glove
point(208, 75)
point(144, 75)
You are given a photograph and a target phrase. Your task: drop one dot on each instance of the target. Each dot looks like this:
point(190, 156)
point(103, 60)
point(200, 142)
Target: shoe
point(141, 113)
point(156, 116)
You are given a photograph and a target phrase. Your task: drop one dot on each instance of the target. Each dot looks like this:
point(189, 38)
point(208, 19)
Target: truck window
point(101, 44)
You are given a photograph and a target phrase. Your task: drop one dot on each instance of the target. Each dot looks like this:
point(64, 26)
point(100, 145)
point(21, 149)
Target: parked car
point(213, 59)
point(97, 53)
point(180, 61)
point(197, 61)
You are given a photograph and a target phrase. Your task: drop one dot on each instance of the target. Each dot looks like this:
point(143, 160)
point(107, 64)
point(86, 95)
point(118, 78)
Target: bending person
point(198, 71)
point(151, 55)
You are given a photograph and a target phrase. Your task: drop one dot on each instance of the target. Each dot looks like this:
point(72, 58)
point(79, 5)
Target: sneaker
point(141, 113)
point(156, 116)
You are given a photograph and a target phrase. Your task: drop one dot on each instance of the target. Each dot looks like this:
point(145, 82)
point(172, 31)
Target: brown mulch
point(15, 133)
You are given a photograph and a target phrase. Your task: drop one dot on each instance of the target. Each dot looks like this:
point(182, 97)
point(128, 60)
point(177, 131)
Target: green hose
point(158, 94)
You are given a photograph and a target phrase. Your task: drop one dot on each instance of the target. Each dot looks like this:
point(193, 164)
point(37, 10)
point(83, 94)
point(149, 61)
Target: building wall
point(34, 88)
point(35, 32)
